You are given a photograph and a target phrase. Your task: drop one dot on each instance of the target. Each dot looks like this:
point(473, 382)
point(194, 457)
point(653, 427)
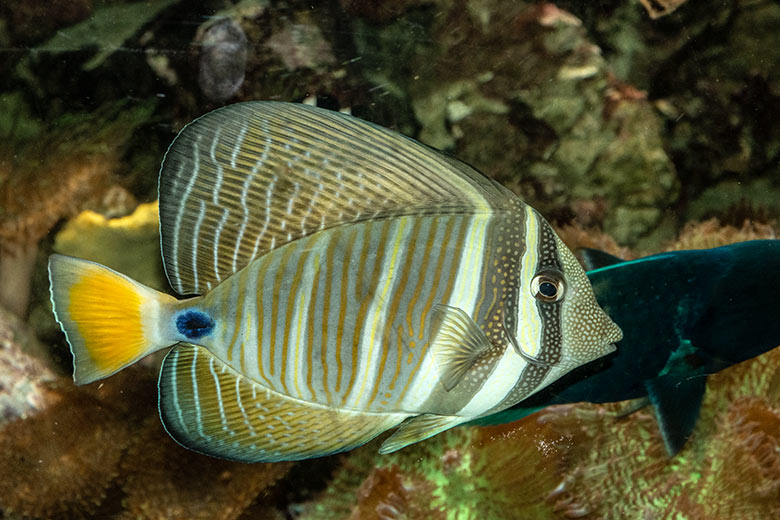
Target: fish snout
point(612, 331)
point(591, 335)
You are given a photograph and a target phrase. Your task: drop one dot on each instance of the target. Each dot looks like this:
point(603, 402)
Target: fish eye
point(547, 286)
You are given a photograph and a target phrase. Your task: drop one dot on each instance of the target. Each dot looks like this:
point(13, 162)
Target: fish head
point(572, 328)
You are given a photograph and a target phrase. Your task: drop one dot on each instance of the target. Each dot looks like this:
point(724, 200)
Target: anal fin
point(208, 407)
point(458, 344)
point(419, 428)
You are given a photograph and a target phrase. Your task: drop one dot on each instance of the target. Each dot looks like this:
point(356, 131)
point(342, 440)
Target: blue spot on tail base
point(194, 324)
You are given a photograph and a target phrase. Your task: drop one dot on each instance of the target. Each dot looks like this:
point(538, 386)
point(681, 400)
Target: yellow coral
point(130, 244)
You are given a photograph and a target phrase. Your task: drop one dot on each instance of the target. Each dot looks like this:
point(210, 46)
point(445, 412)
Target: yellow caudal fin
point(109, 320)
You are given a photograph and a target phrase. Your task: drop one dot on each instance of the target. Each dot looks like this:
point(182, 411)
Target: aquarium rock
point(222, 60)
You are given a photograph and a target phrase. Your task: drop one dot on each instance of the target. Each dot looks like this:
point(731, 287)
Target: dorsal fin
point(595, 258)
point(247, 178)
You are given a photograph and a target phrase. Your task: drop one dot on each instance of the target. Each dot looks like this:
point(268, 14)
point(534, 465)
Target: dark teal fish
point(685, 315)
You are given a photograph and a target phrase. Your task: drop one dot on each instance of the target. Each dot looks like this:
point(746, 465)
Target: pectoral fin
point(458, 344)
point(676, 399)
point(419, 428)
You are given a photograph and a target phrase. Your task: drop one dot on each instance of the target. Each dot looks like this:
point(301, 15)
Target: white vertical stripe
point(251, 308)
point(529, 328)
point(296, 361)
point(219, 395)
point(195, 233)
point(237, 146)
point(529, 323)
point(182, 205)
point(217, 167)
point(243, 411)
point(266, 299)
point(245, 192)
point(175, 388)
point(195, 401)
point(217, 235)
point(501, 381)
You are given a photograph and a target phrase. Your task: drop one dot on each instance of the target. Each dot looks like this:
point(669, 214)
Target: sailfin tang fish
point(343, 280)
point(685, 315)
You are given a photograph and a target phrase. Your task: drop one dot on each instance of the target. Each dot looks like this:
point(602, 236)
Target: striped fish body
point(349, 288)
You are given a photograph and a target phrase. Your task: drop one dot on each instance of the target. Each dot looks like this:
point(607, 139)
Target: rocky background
point(626, 123)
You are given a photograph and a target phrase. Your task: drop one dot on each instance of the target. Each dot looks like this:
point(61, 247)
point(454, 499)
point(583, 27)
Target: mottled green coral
point(529, 100)
point(106, 29)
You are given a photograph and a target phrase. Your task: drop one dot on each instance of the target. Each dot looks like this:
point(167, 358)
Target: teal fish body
point(351, 280)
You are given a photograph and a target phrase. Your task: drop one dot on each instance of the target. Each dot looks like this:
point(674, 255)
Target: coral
point(620, 127)
point(107, 29)
point(337, 501)
point(613, 463)
point(378, 12)
point(130, 245)
point(576, 236)
point(388, 494)
point(494, 472)
point(711, 233)
point(543, 115)
point(301, 46)
point(63, 456)
point(60, 460)
point(25, 375)
point(63, 447)
point(167, 481)
point(31, 208)
point(45, 177)
point(708, 70)
point(742, 479)
point(659, 8)
point(31, 20)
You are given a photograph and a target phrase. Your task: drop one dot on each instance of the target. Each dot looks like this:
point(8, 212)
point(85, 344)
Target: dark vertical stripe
point(343, 288)
point(281, 272)
point(429, 247)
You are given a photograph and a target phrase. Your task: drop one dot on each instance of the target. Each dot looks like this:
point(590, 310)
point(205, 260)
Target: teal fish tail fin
point(109, 320)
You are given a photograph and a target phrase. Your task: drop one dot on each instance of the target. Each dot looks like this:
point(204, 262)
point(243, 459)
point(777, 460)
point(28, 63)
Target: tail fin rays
point(110, 321)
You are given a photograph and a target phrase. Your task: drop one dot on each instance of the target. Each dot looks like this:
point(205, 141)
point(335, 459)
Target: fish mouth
point(614, 332)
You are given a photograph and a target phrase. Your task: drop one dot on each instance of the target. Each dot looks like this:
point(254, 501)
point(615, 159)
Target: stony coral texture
point(80, 452)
